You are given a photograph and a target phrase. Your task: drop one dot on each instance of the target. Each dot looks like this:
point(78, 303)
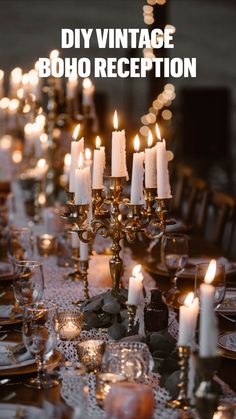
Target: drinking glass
point(174, 251)
point(20, 244)
point(219, 281)
point(28, 282)
point(40, 339)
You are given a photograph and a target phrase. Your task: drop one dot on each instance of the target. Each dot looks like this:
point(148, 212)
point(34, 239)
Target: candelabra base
point(74, 276)
point(182, 401)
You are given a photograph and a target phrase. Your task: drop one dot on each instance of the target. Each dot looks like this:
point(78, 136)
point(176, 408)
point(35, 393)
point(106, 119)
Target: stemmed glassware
point(174, 251)
point(40, 338)
point(219, 281)
point(20, 244)
point(28, 282)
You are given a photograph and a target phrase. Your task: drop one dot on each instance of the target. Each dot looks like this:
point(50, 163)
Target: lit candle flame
point(76, 132)
point(158, 132)
point(211, 271)
point(88, 154)
point(150, 138)
point(17, 156)
point(43, 138)
point(72, 79)
point(13, 105)
point(40, 119)
point(98, 142)
point(1, 74)
point(41, 163)
point(25, 79)
point(54, 54)
point(87, 83)
point(67, 159)
point(115, 121)
point(189, 299)
point(136, 143)
point(137, 270)
point(4, 103)
point(80, 162)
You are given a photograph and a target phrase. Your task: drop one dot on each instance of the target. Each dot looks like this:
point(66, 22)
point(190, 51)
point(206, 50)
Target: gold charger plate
point(51, 363)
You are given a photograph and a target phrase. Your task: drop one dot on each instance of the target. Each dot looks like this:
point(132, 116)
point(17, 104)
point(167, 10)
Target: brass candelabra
point(114, 217)
point(182, 401)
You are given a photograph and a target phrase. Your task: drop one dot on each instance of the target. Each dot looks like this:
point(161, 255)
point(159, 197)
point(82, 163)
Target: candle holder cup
point(182, 401)
point(206, 394)
point(90, 353)
point(104, 382)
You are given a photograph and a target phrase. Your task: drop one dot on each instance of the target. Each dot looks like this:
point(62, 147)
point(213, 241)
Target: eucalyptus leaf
point(117, 331)
point(113, 308)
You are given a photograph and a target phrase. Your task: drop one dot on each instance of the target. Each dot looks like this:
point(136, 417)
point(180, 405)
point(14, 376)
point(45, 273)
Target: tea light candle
point(69, 330)
point(103, 384)
point(46, 243)
point(90, 353)
point(69, 324)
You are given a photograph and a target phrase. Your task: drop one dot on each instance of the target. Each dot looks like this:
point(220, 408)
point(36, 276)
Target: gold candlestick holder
point(108, 220)
point(182, 401)
point(206, 395)
point(83, 267)
point(131, 310)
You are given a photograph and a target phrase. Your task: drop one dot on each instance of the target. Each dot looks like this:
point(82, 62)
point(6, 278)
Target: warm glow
point(72, 80)
point(136, 143)
point(25, 79)
point(20, 93)
point(43, 138)
point(1, 74)
point(137, 270)
point(28, 129)
point(17, 156)
point(33, 77)
point(42, 198)
point(5, 142)
point(76, 132)
point(36, 129)
point(67, 159)
point(88, 154)
point(54, 54)
point(158, 132)
point(36, 65)
point(13, 105)
point(80, 162)
point(41, 163)
point(87, 84)
point(211, 271)
point(98, 142)
point(16, 75)
point(4, 103)
point(40, 119)
point(189, 299)
point(150, 138)
point(115, 121)
point(26, 108)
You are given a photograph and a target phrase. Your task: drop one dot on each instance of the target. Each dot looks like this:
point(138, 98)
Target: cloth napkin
point(8, 356)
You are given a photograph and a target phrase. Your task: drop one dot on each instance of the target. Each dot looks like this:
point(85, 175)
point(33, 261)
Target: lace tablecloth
point(63, 292)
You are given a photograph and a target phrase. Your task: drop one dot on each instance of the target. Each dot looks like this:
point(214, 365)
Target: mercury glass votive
point(69, 323)
point(46, 244)
point(90, 353)
point(103, 385)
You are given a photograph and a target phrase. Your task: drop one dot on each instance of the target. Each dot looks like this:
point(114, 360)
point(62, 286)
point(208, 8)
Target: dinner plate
point(20, 364)
point(28, 366)
point(7, 321)
point(228, 306)
point(189, 270)
point(11, 411)
point(227, 341)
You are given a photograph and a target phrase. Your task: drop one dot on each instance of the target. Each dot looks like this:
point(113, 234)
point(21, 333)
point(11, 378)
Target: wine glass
point(28, 282)
point(20, 244)
point(219, 281)
point(40, 339)
point(174, 251)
